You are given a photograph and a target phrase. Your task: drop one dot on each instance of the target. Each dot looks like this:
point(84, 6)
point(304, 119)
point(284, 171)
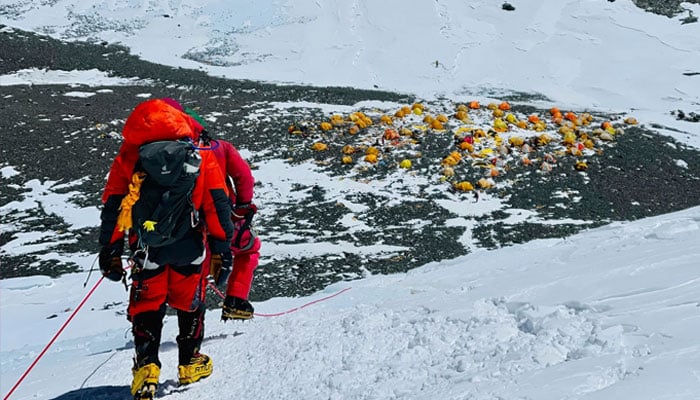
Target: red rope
point(290, 310)
point(53, 339)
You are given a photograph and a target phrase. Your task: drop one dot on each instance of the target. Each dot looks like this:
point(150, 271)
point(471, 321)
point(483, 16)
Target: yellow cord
point(124, 220)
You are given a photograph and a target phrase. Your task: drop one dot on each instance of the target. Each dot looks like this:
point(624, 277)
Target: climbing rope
point(218, 292)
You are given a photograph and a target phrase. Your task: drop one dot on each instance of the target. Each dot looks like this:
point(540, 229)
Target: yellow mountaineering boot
point(200, 367)
point(145, 381)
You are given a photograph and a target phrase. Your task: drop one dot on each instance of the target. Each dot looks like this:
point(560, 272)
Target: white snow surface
point(92, 77)
point(609, 313)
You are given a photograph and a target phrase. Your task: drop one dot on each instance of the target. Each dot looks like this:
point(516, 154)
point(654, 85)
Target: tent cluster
point(486, 141)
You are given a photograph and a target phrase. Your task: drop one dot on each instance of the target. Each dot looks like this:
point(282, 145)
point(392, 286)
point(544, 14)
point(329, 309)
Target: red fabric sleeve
point(211, 197)
point(235, 167)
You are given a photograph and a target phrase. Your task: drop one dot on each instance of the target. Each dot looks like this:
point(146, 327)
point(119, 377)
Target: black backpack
point(164, 212)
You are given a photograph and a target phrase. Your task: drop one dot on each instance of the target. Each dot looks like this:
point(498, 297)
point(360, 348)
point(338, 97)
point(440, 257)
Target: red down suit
point(240, 185)
point(179, 263)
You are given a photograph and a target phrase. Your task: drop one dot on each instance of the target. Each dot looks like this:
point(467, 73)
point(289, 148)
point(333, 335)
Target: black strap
point(248, 219)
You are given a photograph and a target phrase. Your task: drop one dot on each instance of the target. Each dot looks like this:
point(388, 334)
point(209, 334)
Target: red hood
point(155, 120)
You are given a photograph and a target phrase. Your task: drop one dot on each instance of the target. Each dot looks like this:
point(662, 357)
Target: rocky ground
point(669, 8)
point(48, 136)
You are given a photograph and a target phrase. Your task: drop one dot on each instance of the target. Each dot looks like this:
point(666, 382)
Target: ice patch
point(91, 77)
point(8, 172)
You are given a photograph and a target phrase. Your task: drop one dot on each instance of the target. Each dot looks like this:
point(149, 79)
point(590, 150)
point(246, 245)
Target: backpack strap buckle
point(137, 260)
point(194, 218)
